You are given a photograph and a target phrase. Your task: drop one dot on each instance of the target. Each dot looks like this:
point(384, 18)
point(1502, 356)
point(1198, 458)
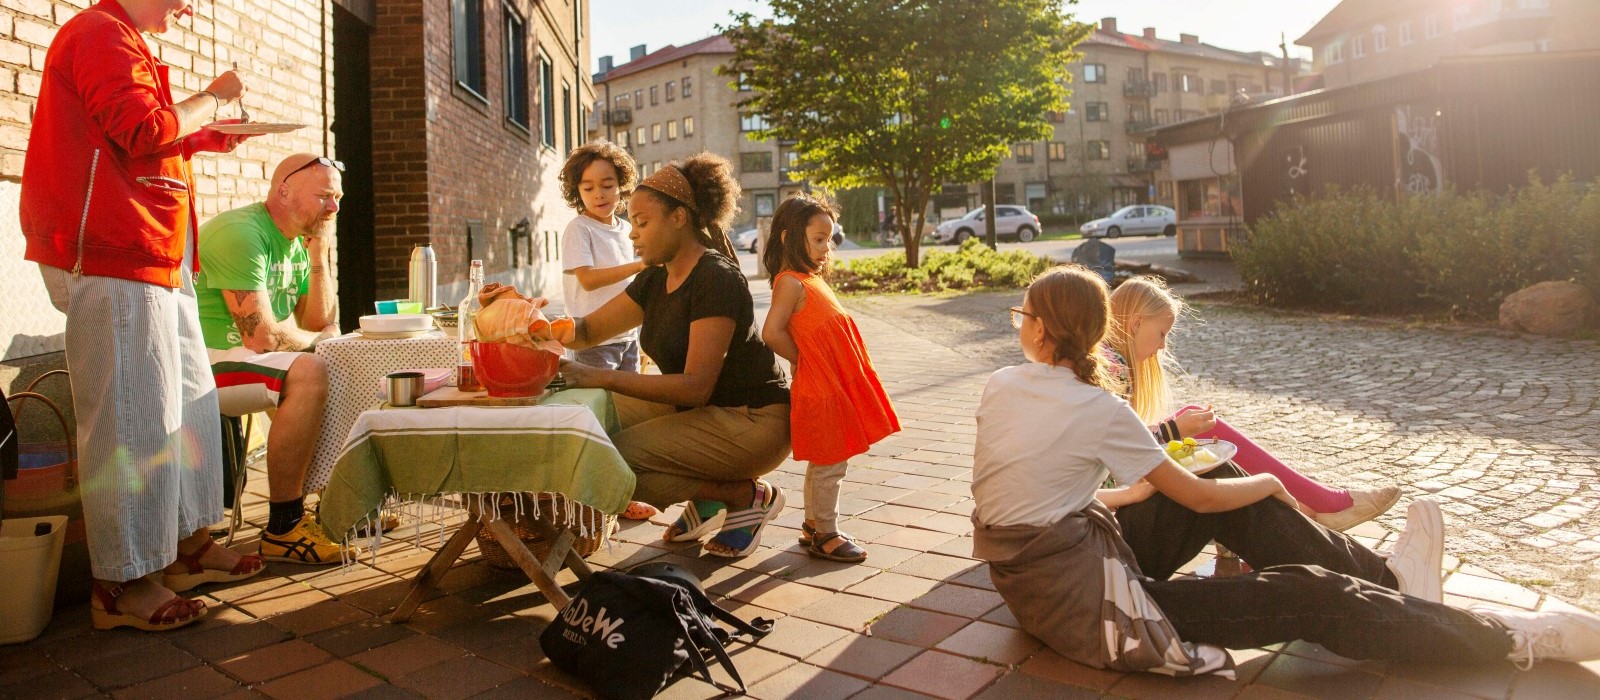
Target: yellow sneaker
point(305, 544)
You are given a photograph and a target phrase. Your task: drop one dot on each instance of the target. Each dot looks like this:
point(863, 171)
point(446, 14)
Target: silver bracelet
point(214, 97)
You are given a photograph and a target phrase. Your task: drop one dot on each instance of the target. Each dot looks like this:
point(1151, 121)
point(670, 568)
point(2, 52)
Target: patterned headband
point(671, 182)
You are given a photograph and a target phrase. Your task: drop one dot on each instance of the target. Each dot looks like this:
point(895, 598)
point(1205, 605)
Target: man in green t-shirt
point(266, 296)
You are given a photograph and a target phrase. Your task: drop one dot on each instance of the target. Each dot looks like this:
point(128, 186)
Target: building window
point(1544, 46)
point(1405, 34)
point(654, 95)
point(672, 90)
point(1430, 26)
point(688, 126)
point(639, 137)
point(1097, 111)
point(1164, 191)
point(1334, 53)
point(1094, 72)
point(547, 101)
point(516, 69)
point(1191, 83)
point(1533, 4)
point(1358, 46)
point(687, 86)
point(655, 133)
point(752, 122)
point(1161, 116)
point(672, 130)
point(1098, 150)
point(1219, 87)
point(1135, 75)
point(655, 166)
point(1023, 152)
point(755, 162)
point(744, 82)
point(638, 98)
point(1057, 151)
point(622, 101)
point(1056, 117)
point(467, 20)
point(765, 204)
point(1159, 80)
point(622, 138)
point(566, 117)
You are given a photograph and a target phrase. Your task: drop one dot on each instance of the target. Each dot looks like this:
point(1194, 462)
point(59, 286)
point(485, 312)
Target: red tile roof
point(711, 44)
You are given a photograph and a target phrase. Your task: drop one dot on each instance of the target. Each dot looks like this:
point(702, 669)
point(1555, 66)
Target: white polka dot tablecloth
point(355, 367)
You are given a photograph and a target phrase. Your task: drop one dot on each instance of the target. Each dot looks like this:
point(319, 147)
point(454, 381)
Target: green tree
point(904, 94)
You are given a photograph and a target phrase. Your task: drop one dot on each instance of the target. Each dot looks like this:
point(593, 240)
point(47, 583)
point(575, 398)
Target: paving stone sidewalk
point(919, 619)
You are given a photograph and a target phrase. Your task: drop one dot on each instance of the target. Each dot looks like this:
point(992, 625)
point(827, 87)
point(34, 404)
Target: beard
point(319, 227)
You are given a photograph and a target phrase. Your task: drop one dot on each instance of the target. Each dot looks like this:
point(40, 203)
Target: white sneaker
point(1557, 636)
point(1418, 555)
point(1369, 504)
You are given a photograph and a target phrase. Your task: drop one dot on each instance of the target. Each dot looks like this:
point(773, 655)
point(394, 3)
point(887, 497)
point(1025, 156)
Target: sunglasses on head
point(320, 160)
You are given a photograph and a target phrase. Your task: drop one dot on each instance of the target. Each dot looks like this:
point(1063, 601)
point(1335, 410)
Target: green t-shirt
point(242, 249)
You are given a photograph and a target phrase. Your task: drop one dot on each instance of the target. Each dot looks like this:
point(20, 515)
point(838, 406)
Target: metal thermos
point(424, 276)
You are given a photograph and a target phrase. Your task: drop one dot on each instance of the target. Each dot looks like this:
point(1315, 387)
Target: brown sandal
point(845, 551)
point(196, 574)
point(175, 613)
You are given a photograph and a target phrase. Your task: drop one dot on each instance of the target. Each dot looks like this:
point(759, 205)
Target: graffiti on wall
point(1417, 138)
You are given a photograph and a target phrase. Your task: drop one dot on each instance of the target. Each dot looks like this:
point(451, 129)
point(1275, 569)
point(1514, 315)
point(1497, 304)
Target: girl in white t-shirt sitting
point(1048, 435)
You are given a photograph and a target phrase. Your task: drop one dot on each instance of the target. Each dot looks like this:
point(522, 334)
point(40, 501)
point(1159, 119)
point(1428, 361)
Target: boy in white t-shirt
point(597, 254)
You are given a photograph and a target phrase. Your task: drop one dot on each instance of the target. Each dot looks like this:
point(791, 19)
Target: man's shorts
point(248, 382)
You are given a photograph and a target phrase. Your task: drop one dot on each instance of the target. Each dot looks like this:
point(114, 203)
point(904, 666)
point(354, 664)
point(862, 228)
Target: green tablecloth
point(560, 446)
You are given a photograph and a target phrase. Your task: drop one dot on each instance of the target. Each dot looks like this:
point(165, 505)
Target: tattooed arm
point(260, 330)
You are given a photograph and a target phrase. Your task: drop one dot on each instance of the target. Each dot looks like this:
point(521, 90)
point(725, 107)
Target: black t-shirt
point(751, 375)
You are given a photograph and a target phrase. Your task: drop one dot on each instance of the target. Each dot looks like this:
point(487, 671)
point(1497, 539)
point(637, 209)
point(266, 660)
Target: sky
point(1244, 25)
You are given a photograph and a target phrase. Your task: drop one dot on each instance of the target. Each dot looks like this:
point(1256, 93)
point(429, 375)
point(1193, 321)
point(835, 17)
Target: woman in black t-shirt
point(717, 417)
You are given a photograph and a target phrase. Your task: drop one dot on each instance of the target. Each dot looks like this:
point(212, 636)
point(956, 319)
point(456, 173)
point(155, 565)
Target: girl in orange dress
point(838, 405)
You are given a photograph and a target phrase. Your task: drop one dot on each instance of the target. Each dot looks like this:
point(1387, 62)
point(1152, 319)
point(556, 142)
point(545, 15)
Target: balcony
point(619, 116)
point(1139, 88)
point(1516, 22)
point(1143, 165)
point(1135, 127)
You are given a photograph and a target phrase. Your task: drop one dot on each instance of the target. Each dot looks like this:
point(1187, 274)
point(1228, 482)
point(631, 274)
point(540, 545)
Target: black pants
point(1165, 535)
point(1310, 583)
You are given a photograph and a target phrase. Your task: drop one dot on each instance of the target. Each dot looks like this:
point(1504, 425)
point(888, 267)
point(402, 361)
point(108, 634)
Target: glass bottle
point(466, 313)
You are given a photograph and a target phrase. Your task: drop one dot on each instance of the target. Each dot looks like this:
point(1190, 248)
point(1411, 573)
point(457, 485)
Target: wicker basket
point(598, 525)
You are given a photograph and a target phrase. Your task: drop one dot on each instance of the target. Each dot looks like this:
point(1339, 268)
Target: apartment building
point(1098, 159)
point(1362, 40)
point(671, 103)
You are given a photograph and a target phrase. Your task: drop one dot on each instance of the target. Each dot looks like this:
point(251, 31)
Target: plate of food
point(1201, 456)
point(254, 128)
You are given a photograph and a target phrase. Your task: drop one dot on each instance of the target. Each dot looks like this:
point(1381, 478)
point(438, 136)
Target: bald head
point(305, 194)
point(293, 164)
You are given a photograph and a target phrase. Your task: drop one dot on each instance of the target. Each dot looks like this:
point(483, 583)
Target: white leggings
point(822, 495)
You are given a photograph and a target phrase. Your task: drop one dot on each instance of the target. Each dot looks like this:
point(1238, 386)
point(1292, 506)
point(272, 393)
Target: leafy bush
point(972, 266)
point(1454, 253)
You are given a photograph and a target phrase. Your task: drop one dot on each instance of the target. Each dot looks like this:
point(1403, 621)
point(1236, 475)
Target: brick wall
point(452, 156)
point(280, 46)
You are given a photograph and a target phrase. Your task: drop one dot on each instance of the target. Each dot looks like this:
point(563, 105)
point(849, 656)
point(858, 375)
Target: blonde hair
point(1070, 302)
point(1146, 381)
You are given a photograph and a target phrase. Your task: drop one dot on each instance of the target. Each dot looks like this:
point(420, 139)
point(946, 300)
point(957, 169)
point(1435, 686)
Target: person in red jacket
point(108, 213)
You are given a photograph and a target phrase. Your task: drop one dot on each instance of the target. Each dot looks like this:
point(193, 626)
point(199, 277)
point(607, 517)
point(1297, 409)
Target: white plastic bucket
point(31, 563)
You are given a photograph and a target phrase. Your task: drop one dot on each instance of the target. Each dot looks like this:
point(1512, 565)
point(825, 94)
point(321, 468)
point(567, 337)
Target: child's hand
point(1193, 423)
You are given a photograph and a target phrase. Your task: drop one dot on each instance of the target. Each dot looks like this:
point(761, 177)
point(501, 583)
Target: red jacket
point(106, 187)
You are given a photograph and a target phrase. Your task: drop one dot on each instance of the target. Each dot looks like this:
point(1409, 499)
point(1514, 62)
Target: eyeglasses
point(320, 160)
point(1016, 316)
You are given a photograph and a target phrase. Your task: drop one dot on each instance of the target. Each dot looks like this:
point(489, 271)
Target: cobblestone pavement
point(1504, 429)
point(920, 618)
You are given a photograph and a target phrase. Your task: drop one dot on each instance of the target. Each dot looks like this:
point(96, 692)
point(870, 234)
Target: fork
point(244, 114)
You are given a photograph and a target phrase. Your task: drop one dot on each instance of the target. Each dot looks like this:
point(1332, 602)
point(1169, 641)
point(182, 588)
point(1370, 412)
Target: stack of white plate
point(395, 325)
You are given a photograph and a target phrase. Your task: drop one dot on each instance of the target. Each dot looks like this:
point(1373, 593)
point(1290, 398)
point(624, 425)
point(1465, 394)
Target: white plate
point(1224, 451)
point(398, 335)
point(396, 323)
point(254, 128)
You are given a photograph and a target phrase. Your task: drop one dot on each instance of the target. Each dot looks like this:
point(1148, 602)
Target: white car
point(750, 239)
point(1137, 220)
point(1011, 221)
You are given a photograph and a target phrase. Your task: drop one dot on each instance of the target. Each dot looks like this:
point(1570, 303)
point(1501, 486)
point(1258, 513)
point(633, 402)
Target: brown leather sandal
point(196, 573)
point(175, 613)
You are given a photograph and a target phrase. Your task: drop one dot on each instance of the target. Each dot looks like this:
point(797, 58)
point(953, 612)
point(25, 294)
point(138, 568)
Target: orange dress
point(838, 407)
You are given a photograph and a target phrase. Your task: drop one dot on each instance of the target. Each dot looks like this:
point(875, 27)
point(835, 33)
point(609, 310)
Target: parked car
point(747, 240)
point(1138, 220)
point(1011, 221)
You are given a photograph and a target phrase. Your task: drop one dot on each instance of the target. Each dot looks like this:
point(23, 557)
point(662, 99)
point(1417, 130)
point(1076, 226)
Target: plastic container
point(31, 564)
point(512, 371)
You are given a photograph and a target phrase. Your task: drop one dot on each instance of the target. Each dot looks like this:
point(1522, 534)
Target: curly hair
point(786, 242)
point(580, 159)
point(716, 192)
